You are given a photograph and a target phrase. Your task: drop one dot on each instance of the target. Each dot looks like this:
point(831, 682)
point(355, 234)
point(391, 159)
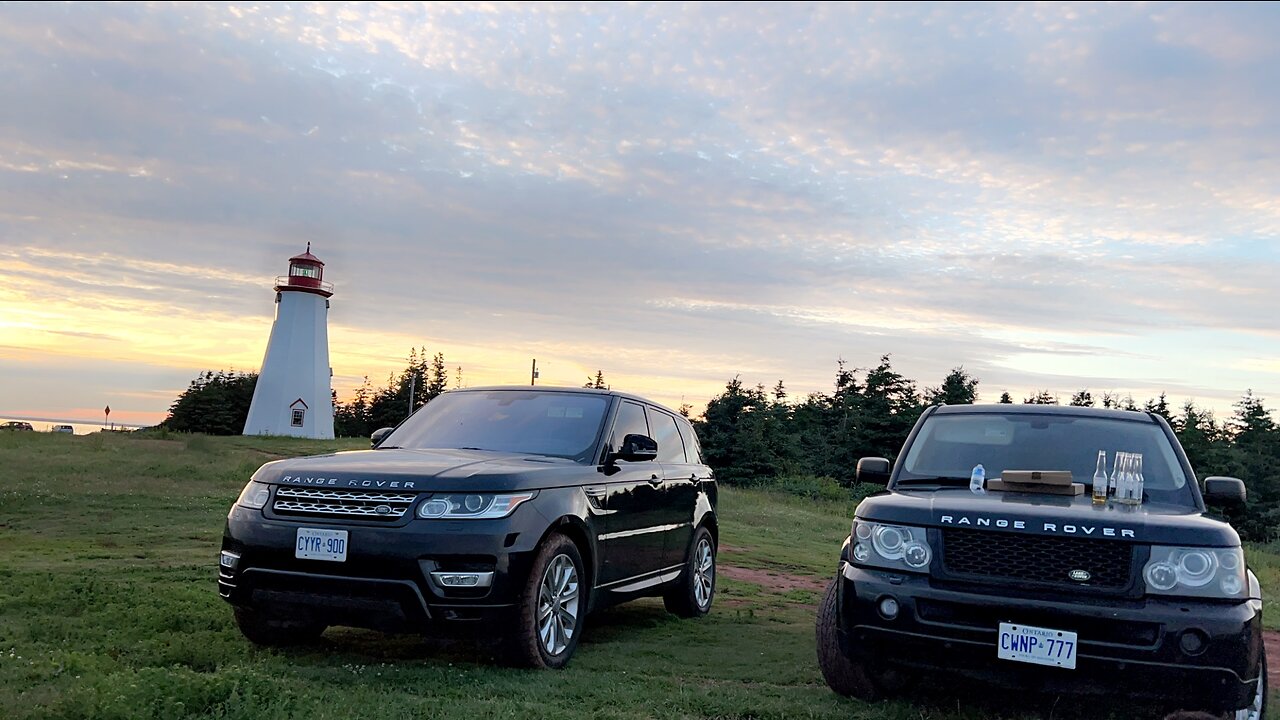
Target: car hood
point(1049, 515)
point(425, 470)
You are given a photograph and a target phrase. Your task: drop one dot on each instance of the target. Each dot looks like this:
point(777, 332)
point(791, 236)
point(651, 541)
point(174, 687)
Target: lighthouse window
point(297, 417)
point(304, 271)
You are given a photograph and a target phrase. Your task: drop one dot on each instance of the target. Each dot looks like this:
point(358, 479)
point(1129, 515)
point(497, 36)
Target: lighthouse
point(292, 396)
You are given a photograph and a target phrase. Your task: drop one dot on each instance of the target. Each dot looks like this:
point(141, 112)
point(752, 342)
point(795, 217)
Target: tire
point(552, 609)
point(843, 675)
point(273, 631)
point(693, 595)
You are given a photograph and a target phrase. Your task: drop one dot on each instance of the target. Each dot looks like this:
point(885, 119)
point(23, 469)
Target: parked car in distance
point(1046, 589)
point(515, 511)
point(63, 429)
point(17, 425)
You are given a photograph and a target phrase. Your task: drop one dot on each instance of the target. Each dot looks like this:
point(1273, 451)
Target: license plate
point(315, 544)
point(1041, 646)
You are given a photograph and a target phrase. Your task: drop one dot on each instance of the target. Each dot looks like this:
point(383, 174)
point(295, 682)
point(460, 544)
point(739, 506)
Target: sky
point(1051, 196)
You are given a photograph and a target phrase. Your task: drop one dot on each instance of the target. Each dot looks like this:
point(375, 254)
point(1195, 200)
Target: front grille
point(978, 555)
point(342, 503)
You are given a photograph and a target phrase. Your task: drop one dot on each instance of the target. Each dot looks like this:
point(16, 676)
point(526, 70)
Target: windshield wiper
point(936, 480)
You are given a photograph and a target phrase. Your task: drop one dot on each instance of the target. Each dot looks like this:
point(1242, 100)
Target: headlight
point(254, 495)
point(1196, 572)
point(472, 506)
point(891, 546)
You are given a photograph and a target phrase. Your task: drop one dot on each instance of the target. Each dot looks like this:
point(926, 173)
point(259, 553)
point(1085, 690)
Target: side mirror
point(1224, 491)
point(378, 436)
point(637, 448)
point(872, 470)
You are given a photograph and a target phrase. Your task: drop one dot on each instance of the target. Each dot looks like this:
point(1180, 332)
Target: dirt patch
point(773, 580)
point(1271, 639)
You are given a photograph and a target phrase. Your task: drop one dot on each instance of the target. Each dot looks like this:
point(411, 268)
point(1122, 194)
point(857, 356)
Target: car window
point(951, 445)
point(692, 448)
point(630, 422)
point(558, 424)
point(667, 434)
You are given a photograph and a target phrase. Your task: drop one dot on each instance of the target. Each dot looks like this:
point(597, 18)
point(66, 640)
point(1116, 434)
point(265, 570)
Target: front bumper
point(1129, 648)
point(386, 581)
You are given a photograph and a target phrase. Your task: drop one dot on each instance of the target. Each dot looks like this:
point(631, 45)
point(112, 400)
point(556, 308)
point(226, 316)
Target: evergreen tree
point(597, 382)
point(1006, 398)
point(958, 388)
point(1083, 398)
point(1044, 397)
point(1160, 406)
point(214, 403)
point(439, 379)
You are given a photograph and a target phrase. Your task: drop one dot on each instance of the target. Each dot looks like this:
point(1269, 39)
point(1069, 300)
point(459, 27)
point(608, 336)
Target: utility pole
point(533, 373)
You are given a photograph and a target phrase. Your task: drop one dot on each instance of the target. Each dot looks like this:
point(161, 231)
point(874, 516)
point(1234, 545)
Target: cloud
point(708, 190)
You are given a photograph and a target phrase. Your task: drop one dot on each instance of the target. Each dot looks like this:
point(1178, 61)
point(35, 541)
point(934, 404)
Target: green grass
point(109, 609)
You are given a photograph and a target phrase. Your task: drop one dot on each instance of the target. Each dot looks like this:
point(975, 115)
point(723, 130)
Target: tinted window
point(667, 435)
point(692, 449)
point(630, 422)
point(951, 445)
point(557, 424)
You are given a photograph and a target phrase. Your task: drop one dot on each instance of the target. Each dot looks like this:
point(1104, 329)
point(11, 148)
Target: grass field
point(109, 609)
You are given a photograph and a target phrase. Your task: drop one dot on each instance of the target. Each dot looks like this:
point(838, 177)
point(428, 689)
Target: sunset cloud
point(1052, 195)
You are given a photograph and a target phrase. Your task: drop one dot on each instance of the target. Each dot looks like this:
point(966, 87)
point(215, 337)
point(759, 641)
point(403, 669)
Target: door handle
point(655, 480)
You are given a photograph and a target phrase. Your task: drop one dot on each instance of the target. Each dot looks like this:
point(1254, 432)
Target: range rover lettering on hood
point(1059, 528)
point(336, 482)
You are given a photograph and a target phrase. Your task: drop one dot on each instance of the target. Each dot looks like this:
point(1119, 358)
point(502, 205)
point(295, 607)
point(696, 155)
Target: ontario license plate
point(316, 544)
point(1040, 646)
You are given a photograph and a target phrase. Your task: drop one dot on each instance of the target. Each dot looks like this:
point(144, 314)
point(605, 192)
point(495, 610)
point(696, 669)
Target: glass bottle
point(1100, 481)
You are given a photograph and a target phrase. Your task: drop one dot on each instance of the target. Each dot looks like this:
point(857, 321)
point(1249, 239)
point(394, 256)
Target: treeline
point(759, 436)
point(422, 380)
point(216, 403)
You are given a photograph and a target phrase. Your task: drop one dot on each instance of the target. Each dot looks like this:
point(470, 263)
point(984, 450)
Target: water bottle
point(1100, 481)
point(978, 479)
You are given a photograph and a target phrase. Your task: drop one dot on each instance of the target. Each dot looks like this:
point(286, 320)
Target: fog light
point(1193, 642)
point(228, 560)
point(462, 580)
point(888, 608)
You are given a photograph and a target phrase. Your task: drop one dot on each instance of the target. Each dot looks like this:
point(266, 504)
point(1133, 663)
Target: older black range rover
point(1043, 591)
point(518, 510)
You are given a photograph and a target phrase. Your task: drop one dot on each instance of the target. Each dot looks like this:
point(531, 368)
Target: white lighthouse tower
point(293, 396)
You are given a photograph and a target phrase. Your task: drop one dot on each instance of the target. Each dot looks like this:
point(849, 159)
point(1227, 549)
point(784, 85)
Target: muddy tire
point(696, 590)
point(552, 608)
point(845, 676)
point(274, 631)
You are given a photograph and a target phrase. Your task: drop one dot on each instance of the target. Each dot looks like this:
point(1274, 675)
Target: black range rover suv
point(1045, 592)
point(518, 510)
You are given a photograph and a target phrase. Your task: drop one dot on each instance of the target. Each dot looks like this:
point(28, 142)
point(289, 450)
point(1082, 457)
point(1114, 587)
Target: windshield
point(558, 424)
point(949, 446)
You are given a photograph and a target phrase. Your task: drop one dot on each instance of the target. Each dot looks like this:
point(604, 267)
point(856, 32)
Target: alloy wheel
point(558, 605)
point(704, 573)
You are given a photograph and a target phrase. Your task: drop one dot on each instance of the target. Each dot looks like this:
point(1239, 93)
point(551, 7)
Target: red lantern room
point(306, 274)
